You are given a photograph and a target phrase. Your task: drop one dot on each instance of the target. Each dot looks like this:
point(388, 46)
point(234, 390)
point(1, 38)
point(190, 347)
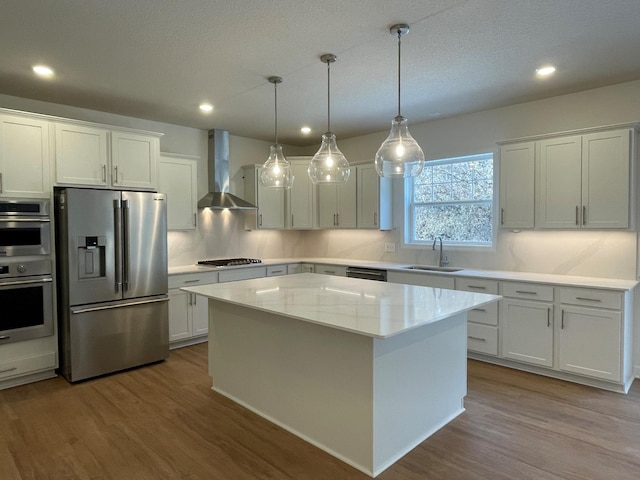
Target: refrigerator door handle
point(76, 311)
point(125, 243)
point(117, 221)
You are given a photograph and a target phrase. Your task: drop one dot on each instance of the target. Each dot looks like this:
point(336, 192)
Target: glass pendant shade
point(399, 155)
point(329, 165)
point(276, 171)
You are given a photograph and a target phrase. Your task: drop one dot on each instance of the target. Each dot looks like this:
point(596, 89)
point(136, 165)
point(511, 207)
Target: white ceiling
point(159, 59)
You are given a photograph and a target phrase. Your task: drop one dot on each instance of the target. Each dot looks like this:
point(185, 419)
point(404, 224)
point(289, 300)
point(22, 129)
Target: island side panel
point(420, 381)
point(314, 381)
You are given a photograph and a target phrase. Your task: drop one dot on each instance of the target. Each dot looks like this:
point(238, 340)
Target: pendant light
point(399, 155)
point(329, 165)
point(276, 171)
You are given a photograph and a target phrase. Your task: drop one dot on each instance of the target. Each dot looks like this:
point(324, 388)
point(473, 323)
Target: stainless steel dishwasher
point(367, 273)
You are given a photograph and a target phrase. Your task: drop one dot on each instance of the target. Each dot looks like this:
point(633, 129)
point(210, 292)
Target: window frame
point(408, 206)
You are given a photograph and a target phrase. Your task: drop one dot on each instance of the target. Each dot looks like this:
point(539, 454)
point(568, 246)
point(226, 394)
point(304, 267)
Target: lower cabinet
point(323, 269)
point(482, 323)
point(527, 331)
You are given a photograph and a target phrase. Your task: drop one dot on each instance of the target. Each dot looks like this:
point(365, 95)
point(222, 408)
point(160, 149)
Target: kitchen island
point(364, 370)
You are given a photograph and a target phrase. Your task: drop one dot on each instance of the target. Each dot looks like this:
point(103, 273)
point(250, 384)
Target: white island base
point(365, 400)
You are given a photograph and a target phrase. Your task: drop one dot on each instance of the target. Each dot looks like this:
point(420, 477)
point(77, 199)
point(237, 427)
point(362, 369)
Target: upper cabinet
point(584, 181)
point(579, 181)
point(517, 164)
point(337, 204)
point(99, 157)
point(24, 157)
point(301, 197)
point(269, 200)
point(373, 198)
point(178, 178)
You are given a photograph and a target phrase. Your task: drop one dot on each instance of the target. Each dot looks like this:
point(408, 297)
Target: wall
point(599, 254)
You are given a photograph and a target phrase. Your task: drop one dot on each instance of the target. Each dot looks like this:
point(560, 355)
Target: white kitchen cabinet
point(517, 194)
point(527, 331)
point(276, 270)
point(188, 313)
point(178, 179)
point(28, 361)
point(301, 197)
point(373, 199)
point(99, 157)
point(270, 201)
point(325, 269)
point(482, 322)
point(337, 204)
point(243, 273)
point(584, 181)
point(24, 157)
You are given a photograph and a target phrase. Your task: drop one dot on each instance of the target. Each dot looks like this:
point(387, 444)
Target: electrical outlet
point(390, 247)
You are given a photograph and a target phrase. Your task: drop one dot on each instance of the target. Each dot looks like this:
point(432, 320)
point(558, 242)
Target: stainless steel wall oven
point(26, 300)
point(25, 227)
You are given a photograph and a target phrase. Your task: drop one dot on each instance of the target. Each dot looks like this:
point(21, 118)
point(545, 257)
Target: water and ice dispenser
point(91, 257)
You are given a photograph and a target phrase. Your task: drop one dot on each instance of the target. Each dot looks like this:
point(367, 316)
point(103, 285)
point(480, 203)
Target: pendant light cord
point(399, 49)
point(328, 96)
point(275, 91)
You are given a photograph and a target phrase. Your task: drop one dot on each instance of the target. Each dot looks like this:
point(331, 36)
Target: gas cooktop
point(228, 262)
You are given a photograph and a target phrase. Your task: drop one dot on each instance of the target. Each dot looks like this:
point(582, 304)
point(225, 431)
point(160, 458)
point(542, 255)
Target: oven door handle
point(24, 219)
point(26, 282)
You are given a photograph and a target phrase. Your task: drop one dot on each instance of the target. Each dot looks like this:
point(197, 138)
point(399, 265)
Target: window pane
point(458, 223)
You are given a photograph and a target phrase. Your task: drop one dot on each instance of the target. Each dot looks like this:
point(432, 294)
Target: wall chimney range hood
point(219, 197)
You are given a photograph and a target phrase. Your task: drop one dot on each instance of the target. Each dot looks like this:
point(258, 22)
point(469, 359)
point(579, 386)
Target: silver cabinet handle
point(548, 317)
point(1, 183)
point(589, 299)
point(277, 271)
point(195, 299)
point(191, 299)
point(478, 310)
point(477, 287)
point(196, 280)
point(375, 219)
point(577, 215)
point(12, 369)
point(337, 219)
point(5, 337)
point(477, 338)
point(502, 216)
point(584, 215)
point(115, 177)
point(195, 219)
point(526, 292)
point(260, 220)
point(292, 224)
point(330, 272)
point(562, 320)
point(334, 219)
point(104, 173)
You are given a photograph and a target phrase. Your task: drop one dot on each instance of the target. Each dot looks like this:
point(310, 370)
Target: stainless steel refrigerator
point(111, 263)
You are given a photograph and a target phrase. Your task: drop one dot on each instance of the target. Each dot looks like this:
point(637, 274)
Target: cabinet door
point(24, 157)
point(527, 331)
point(558, 197)
point(517, 195)
point(368, 196)
point(347, 202)
point(270, 206)
point(301, 197)
point(179, 315)
point(606, 179)
point(327, 205)
point(81, 155)
point(590, 342)
point(178, 178)
point(134, 160)
point(200, 310)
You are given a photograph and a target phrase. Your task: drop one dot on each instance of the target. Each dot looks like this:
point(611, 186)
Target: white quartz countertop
point(546, 278)
point(374, 309)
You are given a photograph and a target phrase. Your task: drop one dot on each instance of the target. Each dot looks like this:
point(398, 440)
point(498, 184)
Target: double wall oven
point(26, 282)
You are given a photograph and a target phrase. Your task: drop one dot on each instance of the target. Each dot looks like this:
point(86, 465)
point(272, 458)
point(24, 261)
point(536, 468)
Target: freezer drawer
point(108, 338)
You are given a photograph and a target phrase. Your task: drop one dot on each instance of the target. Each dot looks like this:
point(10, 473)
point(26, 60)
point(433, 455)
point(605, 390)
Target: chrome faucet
point(443, 260)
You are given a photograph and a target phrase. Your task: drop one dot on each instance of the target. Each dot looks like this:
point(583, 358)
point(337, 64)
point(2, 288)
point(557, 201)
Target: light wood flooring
point(164, 422)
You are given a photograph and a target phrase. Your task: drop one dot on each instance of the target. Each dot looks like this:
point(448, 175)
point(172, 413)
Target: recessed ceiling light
point(305, 130)
point(42, 70)
point(206, 107)
point(545, 71)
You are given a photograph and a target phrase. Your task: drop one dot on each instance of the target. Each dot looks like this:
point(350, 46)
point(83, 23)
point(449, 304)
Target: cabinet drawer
point(477, 285)
point(487, 314)
point(241, 274)
point(591, 298)
point(276, 270)
point(482, 338)
point(192, 279)
point(529, 291)
point(338, 270)
point(26, 365)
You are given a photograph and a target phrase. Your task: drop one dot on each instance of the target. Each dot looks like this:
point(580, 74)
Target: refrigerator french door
point(112, 275)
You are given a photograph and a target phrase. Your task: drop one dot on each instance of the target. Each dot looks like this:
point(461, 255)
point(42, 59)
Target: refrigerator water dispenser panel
point(91, 257)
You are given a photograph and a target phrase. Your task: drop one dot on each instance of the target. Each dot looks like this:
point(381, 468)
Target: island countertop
point(374, 309)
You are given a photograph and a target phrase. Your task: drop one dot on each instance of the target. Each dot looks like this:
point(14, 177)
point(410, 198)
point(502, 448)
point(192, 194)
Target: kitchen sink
point(433, 268)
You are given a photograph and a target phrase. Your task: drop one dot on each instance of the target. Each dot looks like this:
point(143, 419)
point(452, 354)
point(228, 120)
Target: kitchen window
point(451, 198)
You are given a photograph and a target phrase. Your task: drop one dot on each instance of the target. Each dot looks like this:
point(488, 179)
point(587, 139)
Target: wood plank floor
point(164, 422)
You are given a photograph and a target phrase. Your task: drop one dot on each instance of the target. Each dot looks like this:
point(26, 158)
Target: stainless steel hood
point(218, 164)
